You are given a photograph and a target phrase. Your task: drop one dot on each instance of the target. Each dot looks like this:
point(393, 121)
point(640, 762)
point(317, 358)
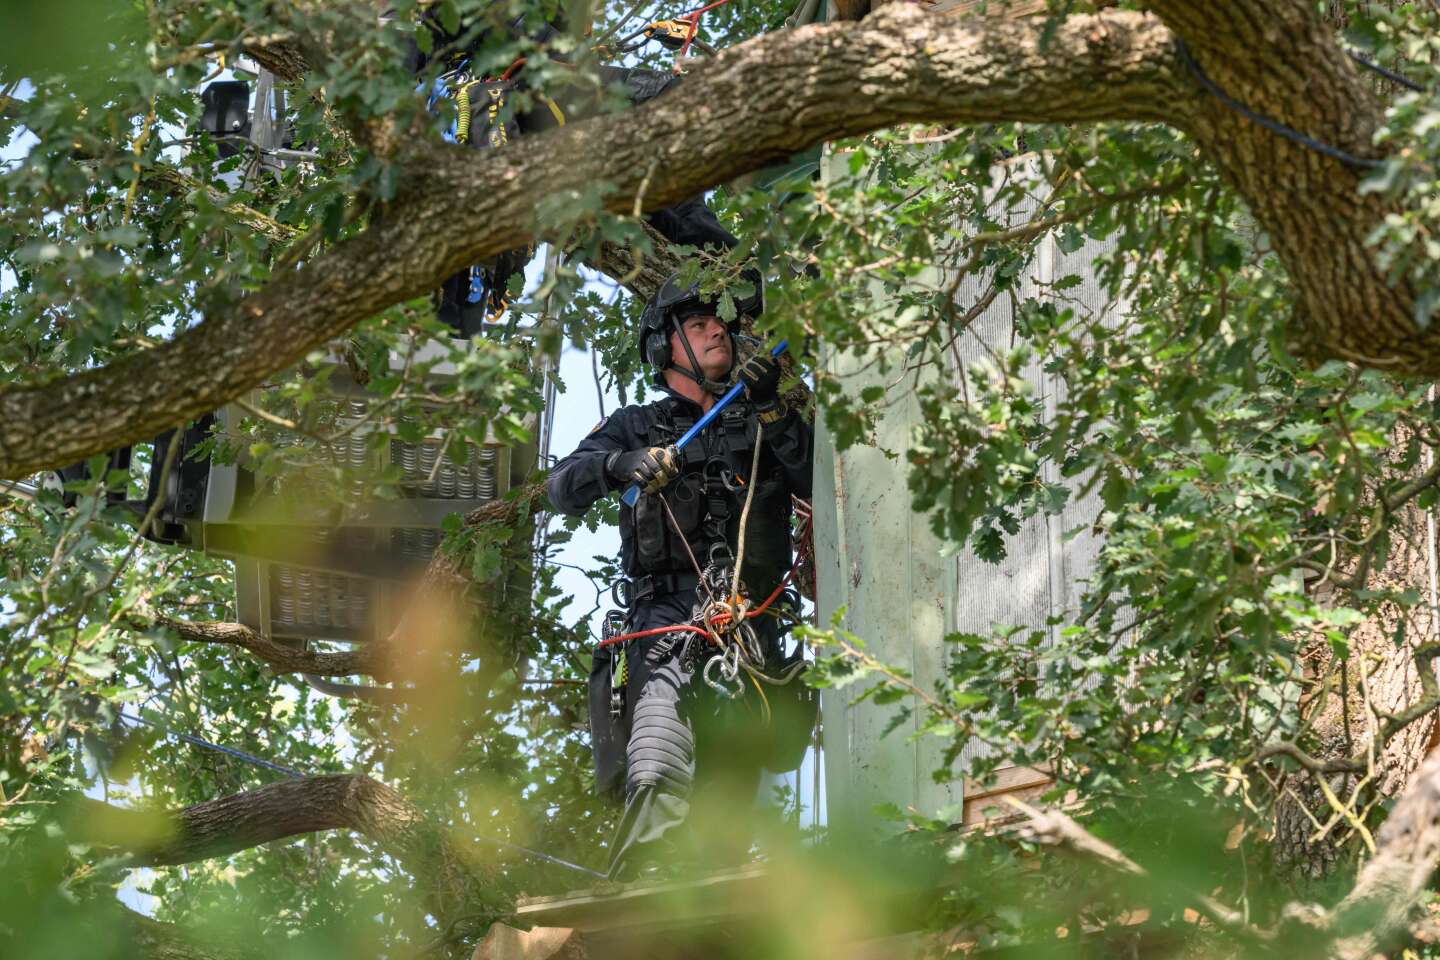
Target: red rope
point(649, 633)
point(694, 18)
point(510, 70)
point(718, 618)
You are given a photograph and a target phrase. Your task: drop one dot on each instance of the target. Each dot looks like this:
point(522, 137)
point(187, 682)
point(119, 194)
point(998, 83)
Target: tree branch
point(371, 659)
point(457, 878)
point(458, 207)
point(1379, 907)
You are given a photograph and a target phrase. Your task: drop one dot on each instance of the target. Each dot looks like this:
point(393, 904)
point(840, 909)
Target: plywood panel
point(881, 563)
point(896, 590)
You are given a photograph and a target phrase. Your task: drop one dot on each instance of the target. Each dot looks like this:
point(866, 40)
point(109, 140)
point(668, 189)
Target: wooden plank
point(614, 906)
point(896, 588)
point(1008, 780)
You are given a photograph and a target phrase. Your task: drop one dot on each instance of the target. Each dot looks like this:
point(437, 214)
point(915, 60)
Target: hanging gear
point(675, 34)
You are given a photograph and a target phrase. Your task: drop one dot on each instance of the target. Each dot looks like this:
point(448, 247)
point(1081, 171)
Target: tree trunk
point(1380, 677)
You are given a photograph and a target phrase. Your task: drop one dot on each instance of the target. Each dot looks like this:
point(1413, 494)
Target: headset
point(666, 312)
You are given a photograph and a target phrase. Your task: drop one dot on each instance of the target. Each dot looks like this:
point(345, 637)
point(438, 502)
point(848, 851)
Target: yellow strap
point(554, 110)
point(764, 700)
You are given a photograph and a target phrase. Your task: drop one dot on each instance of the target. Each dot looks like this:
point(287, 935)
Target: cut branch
point(1055, 828)
point(371, 659)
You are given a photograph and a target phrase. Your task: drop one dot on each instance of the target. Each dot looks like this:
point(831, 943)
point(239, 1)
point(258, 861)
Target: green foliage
point(1222, 471)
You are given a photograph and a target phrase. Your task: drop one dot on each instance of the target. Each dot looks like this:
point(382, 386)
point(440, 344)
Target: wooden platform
point(855, 908)
point(618, 907)
point(757, 911)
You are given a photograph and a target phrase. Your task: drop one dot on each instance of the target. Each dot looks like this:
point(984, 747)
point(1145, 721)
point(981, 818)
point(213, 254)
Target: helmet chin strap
point(709, 386)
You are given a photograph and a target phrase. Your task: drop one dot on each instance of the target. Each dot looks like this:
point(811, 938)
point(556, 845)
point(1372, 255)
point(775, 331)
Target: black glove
point(650, 468)
point(761, 376)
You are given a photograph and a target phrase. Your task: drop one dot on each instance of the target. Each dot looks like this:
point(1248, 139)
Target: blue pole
point(633, 494)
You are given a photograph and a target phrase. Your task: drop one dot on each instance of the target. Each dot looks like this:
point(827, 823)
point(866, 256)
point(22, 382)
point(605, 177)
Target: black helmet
point(673, 303)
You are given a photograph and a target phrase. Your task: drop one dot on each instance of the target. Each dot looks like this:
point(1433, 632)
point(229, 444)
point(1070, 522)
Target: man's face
point(709, 341)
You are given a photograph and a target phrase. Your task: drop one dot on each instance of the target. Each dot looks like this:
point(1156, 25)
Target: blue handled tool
point(633, 494)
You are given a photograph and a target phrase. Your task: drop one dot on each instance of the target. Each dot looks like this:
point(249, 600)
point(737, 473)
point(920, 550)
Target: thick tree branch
point(1280, 59)
point(641, 274)
point(457, 878)
point(458, 207)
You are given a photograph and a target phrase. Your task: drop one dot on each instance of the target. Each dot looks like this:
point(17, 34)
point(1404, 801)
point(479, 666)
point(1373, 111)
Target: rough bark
point(1281, 60)
point(909, 67)
point(455, 878)
point(372, 659)
point(899, 65)
point(1352, 700)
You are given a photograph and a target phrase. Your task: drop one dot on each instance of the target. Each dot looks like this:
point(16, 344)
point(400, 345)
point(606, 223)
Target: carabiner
point(716, 685)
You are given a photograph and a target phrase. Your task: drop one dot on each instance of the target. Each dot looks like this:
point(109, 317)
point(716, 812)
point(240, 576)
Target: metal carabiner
point(716, 685)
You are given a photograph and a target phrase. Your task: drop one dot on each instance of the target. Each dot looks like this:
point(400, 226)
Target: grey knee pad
point(661, 751)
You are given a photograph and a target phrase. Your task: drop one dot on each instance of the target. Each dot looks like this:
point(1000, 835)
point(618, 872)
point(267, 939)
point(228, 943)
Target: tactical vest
point(706, 500)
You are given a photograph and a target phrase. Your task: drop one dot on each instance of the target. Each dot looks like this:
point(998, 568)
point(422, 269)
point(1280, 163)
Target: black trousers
point(691, 753)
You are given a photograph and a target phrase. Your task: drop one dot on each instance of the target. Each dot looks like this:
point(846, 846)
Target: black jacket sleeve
point(577, 481)
point(792, 441)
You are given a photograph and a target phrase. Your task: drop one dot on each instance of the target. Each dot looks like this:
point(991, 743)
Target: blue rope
point(206, 744)
point(1390, 75)
point(1275, 126)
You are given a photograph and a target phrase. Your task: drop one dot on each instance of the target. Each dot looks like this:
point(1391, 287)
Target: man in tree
point(650, 715)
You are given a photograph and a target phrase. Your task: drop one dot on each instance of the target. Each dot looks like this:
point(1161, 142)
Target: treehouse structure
point(326, 566)
point(303, 573)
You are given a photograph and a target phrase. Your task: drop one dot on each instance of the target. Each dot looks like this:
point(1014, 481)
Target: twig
point(1055, 828)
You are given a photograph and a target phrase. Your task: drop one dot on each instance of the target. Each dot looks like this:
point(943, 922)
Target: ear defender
point(657, 349)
